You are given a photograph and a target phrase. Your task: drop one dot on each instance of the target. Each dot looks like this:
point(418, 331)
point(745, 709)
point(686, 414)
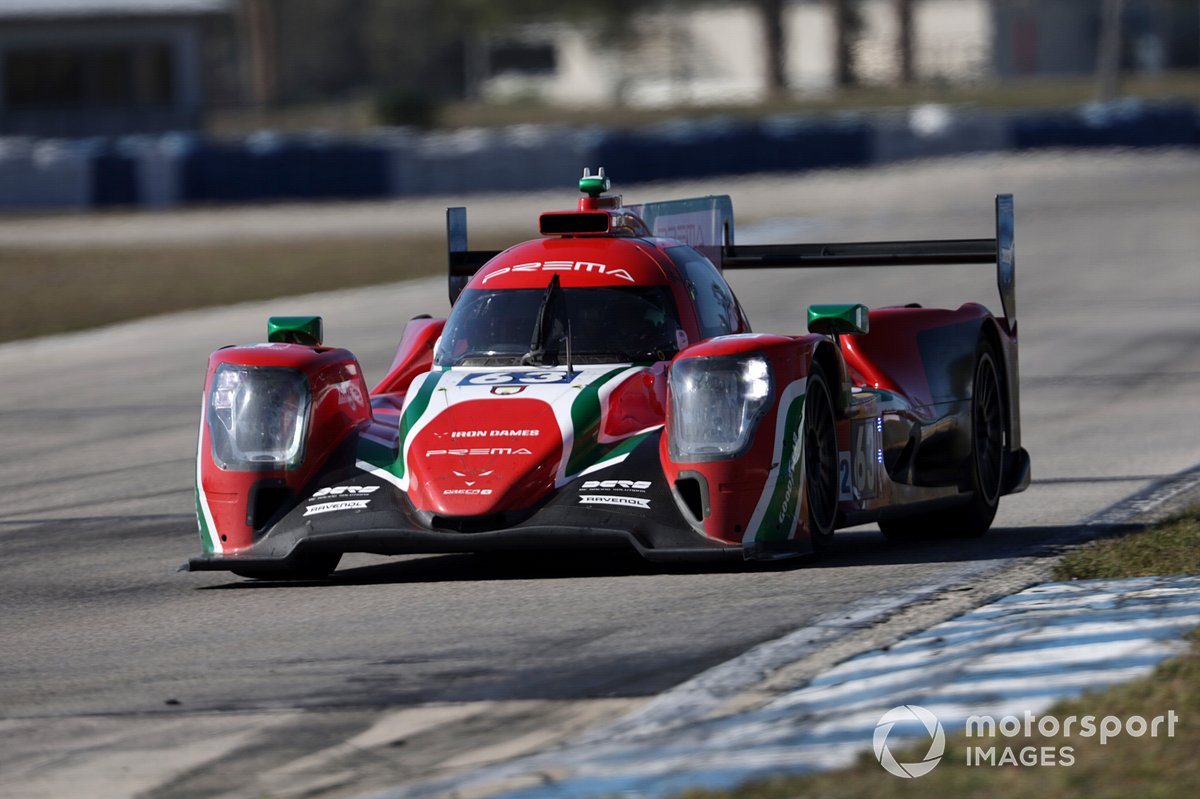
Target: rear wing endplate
point(463, 262)
point(998, 251)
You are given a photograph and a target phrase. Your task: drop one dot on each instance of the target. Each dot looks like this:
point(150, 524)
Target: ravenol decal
point(562, 266)
point(629, 502)
point(778, 507)
point(343, 504)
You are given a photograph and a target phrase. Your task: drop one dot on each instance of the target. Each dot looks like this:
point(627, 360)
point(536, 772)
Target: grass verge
point(56, 291)
point(1148, 767)
point(1172, 547)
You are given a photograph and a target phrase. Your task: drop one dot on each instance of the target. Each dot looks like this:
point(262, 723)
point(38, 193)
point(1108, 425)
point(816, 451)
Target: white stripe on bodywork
point(790, 394)
point(213, 535)
point(595, 467)
point(382, 474)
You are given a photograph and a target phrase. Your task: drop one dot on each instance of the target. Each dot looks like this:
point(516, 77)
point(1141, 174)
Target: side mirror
point(830, 320)
point(307, 330)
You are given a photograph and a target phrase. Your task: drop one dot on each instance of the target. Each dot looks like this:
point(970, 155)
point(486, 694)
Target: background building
point(1061, 37)
point(92, 67)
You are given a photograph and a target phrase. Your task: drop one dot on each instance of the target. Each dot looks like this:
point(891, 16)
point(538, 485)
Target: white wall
point(715, 55)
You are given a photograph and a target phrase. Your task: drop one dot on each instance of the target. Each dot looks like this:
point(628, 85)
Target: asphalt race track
point(120, 677)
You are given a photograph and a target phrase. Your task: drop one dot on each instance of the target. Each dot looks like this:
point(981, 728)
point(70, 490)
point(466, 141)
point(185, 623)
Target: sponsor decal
point(516, 378)
point(433, 453)
point(507, 391)
point(495, 433)
point(562, 266)
point(601, 499)
point(681, 339)
point(350, 394)
point(330, 507)
point(342, 491)
point(616, 485)
point(858, 473)
point(481, 492)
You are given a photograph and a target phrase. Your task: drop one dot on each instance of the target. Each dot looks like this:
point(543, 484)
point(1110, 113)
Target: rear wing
point(998, 251)
point(706, 224)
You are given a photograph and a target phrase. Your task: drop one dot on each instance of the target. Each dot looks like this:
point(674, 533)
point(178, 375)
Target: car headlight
point(716, 404)
point(257, 417)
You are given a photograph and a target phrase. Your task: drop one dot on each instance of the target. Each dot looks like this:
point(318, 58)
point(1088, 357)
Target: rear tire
point(989, 427)
point(307, 567)
point(820, 460)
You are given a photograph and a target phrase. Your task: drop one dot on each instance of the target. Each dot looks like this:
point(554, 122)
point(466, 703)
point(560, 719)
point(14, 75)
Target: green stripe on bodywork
point(585, 416)
point(780, 516)
point(206, 535)
point(414, 411)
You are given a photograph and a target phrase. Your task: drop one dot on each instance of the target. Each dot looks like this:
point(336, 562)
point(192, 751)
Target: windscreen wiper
point(541, 327)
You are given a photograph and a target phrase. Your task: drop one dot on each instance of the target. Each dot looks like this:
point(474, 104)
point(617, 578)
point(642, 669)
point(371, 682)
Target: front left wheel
point(820, 460)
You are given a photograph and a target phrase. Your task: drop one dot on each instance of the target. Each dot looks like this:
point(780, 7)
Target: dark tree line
point(328, 48)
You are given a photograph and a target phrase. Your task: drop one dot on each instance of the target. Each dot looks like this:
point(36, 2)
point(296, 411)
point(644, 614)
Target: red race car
point(600, 387)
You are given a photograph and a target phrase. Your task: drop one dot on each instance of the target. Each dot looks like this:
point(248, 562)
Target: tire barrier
point(185, 169)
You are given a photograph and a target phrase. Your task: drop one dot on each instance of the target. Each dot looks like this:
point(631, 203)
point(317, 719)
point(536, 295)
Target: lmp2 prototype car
point(600, 387)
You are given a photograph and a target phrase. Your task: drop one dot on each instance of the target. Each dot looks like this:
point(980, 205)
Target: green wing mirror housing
point(830, 320)
point(307, 330)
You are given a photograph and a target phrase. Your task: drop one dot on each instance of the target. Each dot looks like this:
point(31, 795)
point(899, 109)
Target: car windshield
point(619, 324)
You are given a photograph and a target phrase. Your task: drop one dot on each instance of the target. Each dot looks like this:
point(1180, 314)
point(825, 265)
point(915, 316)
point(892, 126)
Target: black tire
point(820, 460)
point(317, 566)
point(989, 424)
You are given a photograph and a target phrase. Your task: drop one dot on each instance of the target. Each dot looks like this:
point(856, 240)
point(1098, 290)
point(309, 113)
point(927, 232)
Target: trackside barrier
point(47, 174)
point(933, 131)
point(179, 169)
point(1126, 123)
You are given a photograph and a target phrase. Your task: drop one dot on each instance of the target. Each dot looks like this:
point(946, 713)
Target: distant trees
point(422, 48)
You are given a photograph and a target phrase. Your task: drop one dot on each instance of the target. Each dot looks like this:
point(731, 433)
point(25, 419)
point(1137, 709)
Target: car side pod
point(732, 452)
point(272, 417)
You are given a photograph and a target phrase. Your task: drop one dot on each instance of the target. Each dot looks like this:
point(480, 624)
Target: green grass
point(55, 291)
point(1172, 547)
point(1146, 767)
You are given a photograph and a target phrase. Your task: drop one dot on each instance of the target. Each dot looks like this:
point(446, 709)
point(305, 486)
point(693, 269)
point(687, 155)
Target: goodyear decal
point(778, 508)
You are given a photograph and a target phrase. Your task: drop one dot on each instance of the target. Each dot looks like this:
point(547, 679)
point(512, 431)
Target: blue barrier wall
point(177, 169)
